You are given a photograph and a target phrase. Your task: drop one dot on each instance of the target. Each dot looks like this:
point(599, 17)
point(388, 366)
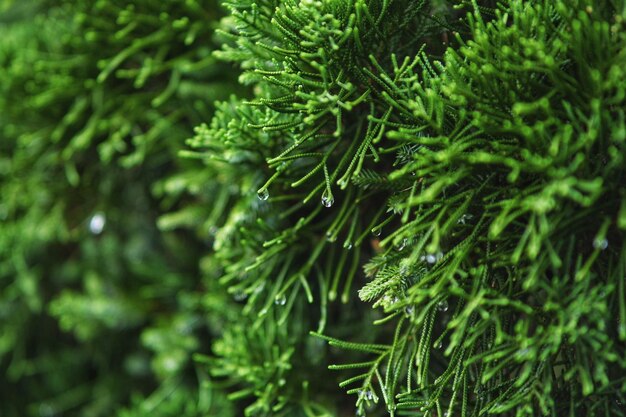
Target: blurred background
point(101, 297)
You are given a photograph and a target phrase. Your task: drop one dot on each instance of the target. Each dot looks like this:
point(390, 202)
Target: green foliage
point(468, 158)
point(97, 305)
point(406, 208)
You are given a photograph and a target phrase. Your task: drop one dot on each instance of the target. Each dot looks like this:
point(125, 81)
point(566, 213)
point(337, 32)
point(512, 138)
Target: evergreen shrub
point(405, 208)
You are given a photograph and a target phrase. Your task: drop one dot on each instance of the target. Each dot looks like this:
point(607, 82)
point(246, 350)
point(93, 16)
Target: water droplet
point(240, 296)
point(347, 245)
point(438, 344)
point(259, 287)
point(96, 223)
point(387, 300)
point(464, 218)
point(377, 232)
point(46, 410)
point(446, 414)
point(439, 256)
point(481, 394)
point(409, 310)
point(327, 199)
point(263, 194)
point(430, 258)
point(280, 300)
point(442, 305)
point(601, 244)
point(369, 395)
point(402, 244)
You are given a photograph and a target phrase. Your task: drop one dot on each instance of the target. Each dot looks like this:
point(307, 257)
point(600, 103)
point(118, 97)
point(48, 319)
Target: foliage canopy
point(422, 200)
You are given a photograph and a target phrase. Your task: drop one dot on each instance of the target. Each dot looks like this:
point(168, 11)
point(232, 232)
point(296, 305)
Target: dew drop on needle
point(263, 194)
point(327, 199)
point(280, 300)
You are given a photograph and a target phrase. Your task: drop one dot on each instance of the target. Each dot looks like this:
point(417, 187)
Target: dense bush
point(98, 306)
point(405, 208)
